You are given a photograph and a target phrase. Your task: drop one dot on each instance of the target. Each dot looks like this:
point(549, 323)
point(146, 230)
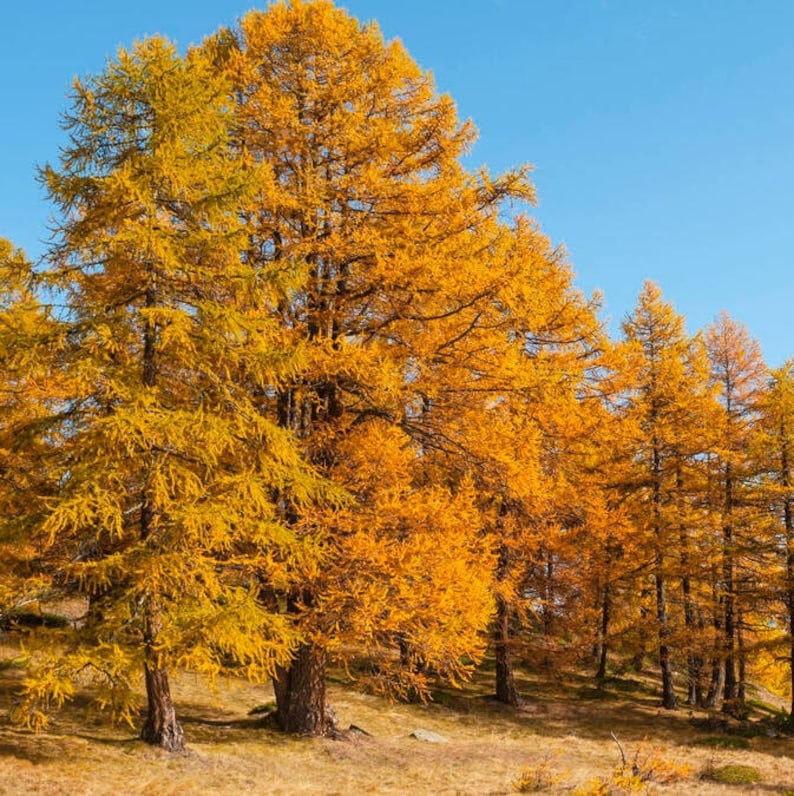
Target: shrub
point(537, 777)
point(735, 774)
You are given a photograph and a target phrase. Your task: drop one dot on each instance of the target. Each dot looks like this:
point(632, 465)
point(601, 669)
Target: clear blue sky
point(661, 131)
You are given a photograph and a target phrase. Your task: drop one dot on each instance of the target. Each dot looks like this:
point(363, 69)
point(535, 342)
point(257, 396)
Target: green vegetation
point(736, 774)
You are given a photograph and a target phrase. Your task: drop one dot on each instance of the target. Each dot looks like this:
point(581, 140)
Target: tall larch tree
point(392, 243)
point(664, 404)
point(738, 373)
point(165, 518)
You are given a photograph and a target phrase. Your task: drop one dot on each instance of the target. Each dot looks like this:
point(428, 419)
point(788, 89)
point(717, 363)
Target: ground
point(563, 736)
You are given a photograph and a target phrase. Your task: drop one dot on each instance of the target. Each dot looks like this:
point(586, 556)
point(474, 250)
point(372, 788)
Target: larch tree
point(165, 519)
point(738, 373)
point(665, 404)
point(776, 451)
point(391, 243)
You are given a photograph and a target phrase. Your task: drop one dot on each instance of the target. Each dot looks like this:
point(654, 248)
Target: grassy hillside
point(561, 739)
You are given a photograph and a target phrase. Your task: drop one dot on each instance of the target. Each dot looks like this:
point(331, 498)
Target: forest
point(293, 389)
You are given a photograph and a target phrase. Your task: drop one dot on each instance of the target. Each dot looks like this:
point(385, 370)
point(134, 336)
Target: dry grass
point(565, 728)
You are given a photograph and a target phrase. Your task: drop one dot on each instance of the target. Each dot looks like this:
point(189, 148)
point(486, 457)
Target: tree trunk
point(694, 660)
point(741, 692)
point(717, 679)
point(638, 660)
point(300, 693)
point(729, 639)
point(669, 699)
point(730, 693)
point(788, 523)
point(506, 691)
point(602, 637)
point(161, 728)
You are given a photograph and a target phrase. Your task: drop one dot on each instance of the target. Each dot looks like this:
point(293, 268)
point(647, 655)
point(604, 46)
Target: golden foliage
point(312, 383)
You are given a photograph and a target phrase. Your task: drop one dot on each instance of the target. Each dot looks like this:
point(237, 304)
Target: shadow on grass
point(629, 706)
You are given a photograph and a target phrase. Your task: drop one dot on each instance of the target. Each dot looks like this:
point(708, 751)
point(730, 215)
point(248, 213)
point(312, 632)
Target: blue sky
point(661, 131)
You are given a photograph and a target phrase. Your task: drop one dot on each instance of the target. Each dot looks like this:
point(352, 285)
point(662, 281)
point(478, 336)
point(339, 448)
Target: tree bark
point(788, 523)
point(638, 659)
point(741, 691)
point(506, 691)
point(300, 693)
point(730, 692)
point(694, 659)
point(602, 636)
point(161, 728)
point(669, 699)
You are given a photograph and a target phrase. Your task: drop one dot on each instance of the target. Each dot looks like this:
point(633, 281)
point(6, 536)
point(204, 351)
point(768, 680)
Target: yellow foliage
point(538, 776)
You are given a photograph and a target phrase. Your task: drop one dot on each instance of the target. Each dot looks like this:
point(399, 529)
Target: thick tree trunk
point(300, 693)
point(506, 691)
point(731, 682)
point(694, 661)
point(161, 728)
point(791, 629)
point(790, 600)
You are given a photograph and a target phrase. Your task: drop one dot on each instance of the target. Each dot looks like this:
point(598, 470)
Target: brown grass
point(566, 729)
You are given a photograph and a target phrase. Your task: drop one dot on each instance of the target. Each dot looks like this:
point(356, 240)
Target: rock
point(427, 735)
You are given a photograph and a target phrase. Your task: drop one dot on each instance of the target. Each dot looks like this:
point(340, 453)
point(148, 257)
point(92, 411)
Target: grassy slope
point(232, 752)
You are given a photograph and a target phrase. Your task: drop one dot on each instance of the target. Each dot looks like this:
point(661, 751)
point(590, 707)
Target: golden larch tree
point(665, 409)
point(165, 517)
point(390, 242)
point(738, 373)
